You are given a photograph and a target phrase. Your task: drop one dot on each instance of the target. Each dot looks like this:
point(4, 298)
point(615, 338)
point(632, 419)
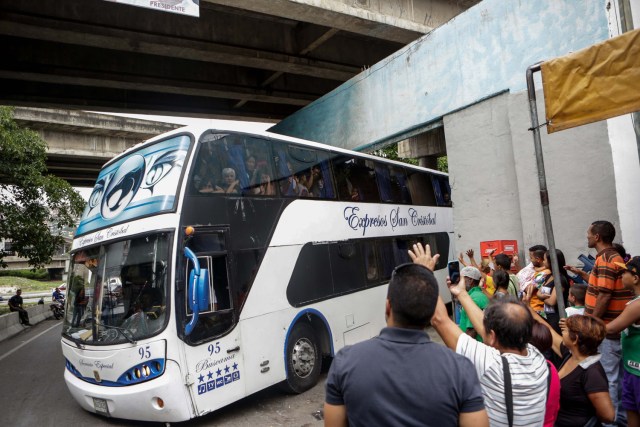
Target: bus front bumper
point(139, 401)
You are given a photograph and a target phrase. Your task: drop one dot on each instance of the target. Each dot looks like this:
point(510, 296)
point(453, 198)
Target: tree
point(34, 205)
point(391, 152)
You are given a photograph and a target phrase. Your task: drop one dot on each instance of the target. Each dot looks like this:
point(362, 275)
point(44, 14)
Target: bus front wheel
point(304, 360)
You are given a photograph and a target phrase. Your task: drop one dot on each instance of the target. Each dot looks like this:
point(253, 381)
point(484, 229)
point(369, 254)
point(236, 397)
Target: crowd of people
point(514, 357)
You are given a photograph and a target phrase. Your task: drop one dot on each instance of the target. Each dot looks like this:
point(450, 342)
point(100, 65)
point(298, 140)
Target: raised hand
point(456, 288)
point(422, 255)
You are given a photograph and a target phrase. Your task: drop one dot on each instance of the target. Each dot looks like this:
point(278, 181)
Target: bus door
point(213, 345)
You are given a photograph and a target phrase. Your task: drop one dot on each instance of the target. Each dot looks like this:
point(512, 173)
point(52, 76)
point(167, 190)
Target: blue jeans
point(611, 351)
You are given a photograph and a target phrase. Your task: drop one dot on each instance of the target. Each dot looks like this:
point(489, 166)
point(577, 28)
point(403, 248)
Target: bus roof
point(198, 130)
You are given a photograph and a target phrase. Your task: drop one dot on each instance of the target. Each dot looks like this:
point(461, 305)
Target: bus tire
point(304, 361)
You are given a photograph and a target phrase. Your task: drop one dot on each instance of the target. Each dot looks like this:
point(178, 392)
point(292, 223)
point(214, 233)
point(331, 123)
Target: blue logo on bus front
point(394, 219)
point(215, 379)
point(142, 183)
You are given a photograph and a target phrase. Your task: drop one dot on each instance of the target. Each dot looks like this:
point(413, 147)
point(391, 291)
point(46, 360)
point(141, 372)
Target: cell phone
point(454, 271)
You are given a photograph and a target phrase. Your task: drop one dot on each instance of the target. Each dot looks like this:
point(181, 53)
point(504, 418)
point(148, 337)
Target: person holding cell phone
point(471, 277)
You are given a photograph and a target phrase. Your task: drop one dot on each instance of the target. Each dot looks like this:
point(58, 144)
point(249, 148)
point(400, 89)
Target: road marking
point(28, 341)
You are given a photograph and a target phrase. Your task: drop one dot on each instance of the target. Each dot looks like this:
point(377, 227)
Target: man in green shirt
point(471, 277)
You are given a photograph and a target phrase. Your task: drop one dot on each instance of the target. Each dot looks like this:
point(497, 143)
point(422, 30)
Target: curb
point(10, 323)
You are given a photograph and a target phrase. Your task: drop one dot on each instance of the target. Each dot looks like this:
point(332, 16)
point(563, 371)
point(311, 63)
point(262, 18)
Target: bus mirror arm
point(198, 290)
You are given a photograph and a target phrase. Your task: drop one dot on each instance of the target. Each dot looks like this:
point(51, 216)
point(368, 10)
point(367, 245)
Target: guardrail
point(10, 322)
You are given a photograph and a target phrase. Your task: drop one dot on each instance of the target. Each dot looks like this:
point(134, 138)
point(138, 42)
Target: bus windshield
point(118, 291)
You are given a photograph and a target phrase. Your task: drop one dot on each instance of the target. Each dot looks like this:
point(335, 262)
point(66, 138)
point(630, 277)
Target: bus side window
point(303, 172)
point(259, 169)
point(387, 258)
point(421, 188)
point(346, 267)
point(371, 261)
point(356, 179)
point(206, 176)
point(401, 249)
point(439, 241)
point(392, 183)
point(441, 189)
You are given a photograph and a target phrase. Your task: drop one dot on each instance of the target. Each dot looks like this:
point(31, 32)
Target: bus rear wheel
point(304, 360)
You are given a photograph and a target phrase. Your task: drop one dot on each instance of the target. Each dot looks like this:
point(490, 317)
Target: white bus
point(210, 264)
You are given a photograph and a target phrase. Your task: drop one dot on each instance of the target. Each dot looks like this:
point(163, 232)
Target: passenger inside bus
point(252, 170)
point(266, 186)
point(230, 183)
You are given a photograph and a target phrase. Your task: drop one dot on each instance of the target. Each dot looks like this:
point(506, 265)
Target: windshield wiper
point(121, 330)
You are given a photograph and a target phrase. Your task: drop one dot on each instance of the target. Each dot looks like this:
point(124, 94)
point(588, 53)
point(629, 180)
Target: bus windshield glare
point(118, 292)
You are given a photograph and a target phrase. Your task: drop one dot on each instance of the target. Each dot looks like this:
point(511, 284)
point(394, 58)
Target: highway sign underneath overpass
point(183, 7)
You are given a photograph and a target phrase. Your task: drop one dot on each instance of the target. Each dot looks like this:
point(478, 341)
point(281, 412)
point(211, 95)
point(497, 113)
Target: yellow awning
point(596, 83)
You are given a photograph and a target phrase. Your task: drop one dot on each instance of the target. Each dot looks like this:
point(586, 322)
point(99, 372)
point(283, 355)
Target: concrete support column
point(430, 162)
point(426, 147)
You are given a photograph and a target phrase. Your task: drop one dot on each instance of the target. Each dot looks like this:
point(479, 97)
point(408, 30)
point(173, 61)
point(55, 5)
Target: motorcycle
point(57, 307)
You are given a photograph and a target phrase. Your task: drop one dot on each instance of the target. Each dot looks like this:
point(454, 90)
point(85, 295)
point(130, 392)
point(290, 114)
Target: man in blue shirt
point(57, 295)
point(401, 377)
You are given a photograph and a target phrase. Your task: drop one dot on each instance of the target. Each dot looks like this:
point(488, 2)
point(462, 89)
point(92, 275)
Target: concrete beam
point(426, 144)
point(80, 143)
point(19, 25)
point(484, 51)
point(161, 85)
point(92, 123)
point(402, 21)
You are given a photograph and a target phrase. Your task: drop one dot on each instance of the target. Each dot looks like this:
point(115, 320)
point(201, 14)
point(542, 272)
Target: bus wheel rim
point(303, 357)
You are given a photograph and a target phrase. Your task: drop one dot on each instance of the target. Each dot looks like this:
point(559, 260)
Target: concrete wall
point(482, 174)
point(494, 177)
point(479, 53)
point(625, 146)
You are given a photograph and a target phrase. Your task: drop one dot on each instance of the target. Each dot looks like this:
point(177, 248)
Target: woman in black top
point(584, 388)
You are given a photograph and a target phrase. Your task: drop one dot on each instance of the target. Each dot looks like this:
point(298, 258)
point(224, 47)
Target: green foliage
point(33, 204)
point(28, 285)
point(391, 152)
point(39, 274)
point(443, 164)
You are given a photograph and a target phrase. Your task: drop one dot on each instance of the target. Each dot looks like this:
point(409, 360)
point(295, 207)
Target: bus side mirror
point(198, 290)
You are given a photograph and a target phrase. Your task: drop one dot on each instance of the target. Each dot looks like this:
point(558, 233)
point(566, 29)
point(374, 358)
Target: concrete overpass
point(80, 142)
point(259, 59)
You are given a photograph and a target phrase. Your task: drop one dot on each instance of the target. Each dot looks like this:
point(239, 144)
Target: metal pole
point(544, 194)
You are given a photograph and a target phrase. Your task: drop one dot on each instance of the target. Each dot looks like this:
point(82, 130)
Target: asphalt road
point(33, 392)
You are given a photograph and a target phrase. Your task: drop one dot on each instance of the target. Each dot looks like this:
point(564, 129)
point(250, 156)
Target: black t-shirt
point(15, 301)
point(575, 407)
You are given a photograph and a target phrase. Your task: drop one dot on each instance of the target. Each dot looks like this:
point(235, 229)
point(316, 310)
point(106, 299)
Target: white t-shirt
point(525, 276)
point(572, 311)
point(528, 380)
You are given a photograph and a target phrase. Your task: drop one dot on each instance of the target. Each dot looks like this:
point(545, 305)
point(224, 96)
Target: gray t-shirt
point(402, 378)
